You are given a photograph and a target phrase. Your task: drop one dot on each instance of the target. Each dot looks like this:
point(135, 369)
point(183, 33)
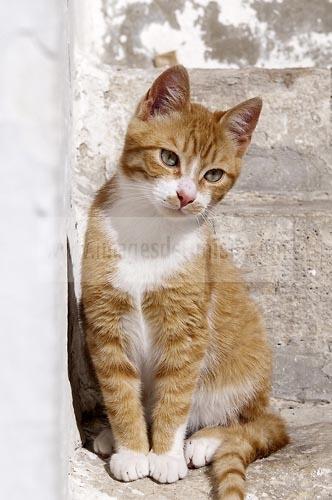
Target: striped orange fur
point(176, 342)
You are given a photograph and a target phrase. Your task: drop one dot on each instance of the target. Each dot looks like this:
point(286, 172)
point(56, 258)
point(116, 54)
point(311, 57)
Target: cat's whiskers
point(207, 220)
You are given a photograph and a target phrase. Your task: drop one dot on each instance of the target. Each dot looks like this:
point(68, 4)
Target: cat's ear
point(240, 122)
point(219, 114)
point(169, 92)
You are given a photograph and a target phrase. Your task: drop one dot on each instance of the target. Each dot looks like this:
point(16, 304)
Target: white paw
point(200, 451)
point(129, 465)
point(167, 468)
point(103, 443)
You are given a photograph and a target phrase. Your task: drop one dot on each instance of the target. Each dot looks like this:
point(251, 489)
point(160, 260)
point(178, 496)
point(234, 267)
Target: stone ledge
point(291, 204)
point(301, 470)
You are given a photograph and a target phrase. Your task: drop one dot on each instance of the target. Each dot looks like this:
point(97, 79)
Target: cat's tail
point(241, 445)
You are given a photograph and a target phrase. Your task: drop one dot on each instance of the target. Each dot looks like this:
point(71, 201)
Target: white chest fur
point(140, 351)
point(152, 248)
point(137, 273)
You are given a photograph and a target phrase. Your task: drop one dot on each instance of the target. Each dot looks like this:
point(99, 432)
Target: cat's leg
point(219, 406)
point(120, 385)
point(211, 408)
point(254, 433)
point(182, 343)
point(167, 461)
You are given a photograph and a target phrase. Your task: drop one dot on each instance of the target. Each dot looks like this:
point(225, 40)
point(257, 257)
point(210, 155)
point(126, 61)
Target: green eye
point(169, 158)
point(214, 175)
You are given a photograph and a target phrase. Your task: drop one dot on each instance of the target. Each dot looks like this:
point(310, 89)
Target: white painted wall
point(35, 413)
point(268, 33)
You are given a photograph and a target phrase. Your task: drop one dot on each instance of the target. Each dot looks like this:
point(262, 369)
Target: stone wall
point(277, 221)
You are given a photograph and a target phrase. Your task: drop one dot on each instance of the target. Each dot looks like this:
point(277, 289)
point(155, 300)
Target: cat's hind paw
point(199, 451)
point(127, 465)
point(167, 468)
point(103, 443)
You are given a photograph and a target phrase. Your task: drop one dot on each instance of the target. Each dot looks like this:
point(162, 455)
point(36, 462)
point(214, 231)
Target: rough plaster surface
point(222, 33)
point(35, 417)
point(301, 470)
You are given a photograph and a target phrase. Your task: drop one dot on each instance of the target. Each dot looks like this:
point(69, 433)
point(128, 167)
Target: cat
point(177, 345)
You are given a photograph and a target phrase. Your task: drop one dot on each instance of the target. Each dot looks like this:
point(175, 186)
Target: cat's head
point(185, 156)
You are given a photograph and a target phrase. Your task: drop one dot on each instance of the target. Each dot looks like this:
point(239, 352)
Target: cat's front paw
point(167, 468)
point(127, 465)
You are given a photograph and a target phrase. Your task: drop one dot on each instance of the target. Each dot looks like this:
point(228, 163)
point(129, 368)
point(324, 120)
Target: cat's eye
point(214, 175)
point(170, 158)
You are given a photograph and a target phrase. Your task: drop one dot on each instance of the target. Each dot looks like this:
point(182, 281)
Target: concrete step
point(301, 470)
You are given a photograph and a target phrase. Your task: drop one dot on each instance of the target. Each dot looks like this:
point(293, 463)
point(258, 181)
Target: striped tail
point(241, 446)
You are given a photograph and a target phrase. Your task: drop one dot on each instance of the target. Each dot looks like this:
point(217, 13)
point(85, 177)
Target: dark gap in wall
point(87, 400)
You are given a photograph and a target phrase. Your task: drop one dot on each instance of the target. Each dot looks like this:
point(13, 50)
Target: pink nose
point(185, 197)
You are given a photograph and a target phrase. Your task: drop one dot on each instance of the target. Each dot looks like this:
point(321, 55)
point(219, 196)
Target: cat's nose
point(185, 197)
point(186, 191)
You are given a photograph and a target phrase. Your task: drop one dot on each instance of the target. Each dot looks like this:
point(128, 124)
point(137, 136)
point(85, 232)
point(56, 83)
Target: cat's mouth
point(173, 211)
point(180, 212)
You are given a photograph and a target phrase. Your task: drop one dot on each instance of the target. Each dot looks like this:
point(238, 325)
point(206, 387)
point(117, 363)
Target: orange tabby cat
point(177, 344)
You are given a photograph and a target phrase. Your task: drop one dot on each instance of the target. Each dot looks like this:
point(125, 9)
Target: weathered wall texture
point(221, 33)
point(277, 222)
point(35, 417)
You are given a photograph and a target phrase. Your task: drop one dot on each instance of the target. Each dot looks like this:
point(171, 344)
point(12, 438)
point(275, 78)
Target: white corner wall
point(35, 416)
